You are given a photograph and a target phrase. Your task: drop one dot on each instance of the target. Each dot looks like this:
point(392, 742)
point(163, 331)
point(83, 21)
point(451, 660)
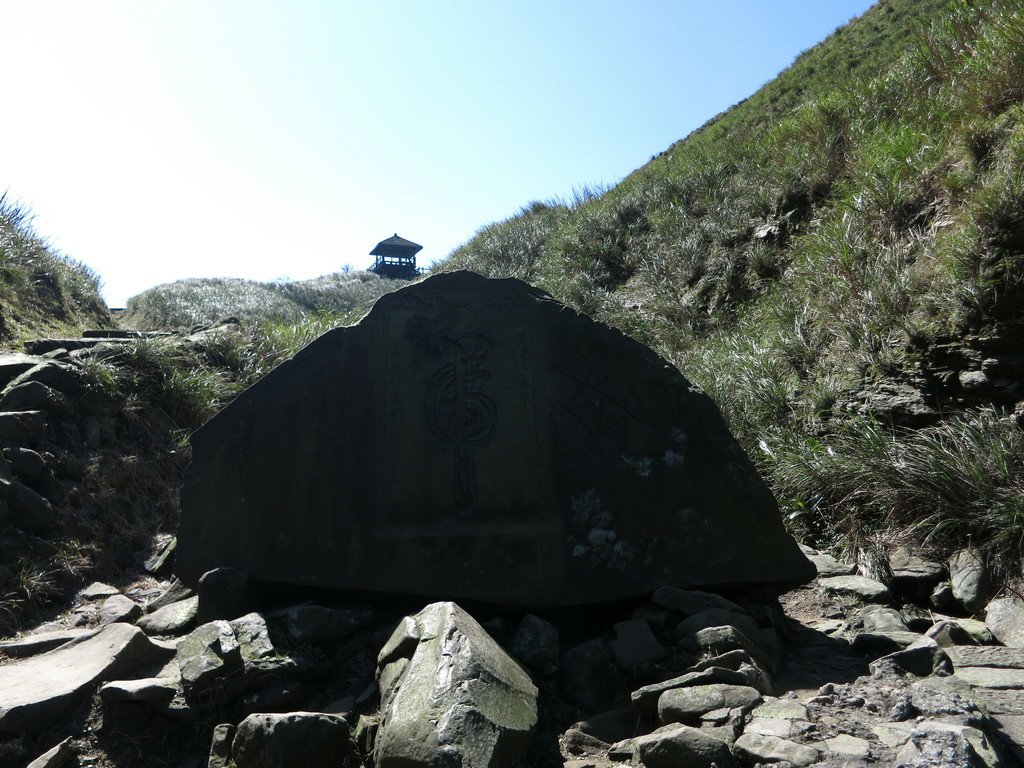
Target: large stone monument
point(475, 439)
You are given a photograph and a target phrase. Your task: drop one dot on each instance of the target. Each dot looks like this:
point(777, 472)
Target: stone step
point(986, 656)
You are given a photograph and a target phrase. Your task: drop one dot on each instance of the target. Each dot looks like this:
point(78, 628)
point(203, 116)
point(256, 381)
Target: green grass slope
point(838, 261)
point(42, 291)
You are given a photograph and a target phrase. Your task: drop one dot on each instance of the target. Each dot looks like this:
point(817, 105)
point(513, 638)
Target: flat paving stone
point(991, 677)
point(862, 587)
point(40, 691)
point(986, 656)
point(30, 645)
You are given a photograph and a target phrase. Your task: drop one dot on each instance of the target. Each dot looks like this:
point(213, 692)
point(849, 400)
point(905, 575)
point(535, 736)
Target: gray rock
point(939, 747)
point(968, 577)
point(97, 591)
point(645, 699)
point(913, 575)
point(28, 510)
point(161, 561)
point(171, 619)
point(142, 689)
point(875, 643)
point(861, 587)
point(65, 378)
point(950, 633)
point(686, 705)
point(683, 747)
point(175, 592)
point(13, 364)
point(459, 698)
point(57, 757)
point(942, 596)
point(827, 566)
point(22, 427)
point(535, 645)
point(309, 739)
point(38, 692)
point(755, 748)
point(226, 593)
point(252, 636)
point(208, 652)
point(780, 709)
point(635, 644)
point(691, 601)
point(220, 746)
point(920, 658)
point(717, 617)
point(848, 747)
point(1005, 619)
point(877, 618)
point(453, 431)
point(318, 623)
point(40, 642)
point(119, 608)
point(25, 463)
point(32, 396)
point(718, 640)
point(586, 672)
point(610, 726)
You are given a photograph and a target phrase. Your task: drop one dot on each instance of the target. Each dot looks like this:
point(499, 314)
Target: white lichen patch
point(642, 466)
point(672, 459)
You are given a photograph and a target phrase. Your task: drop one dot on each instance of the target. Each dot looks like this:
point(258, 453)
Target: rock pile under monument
point(473, 438)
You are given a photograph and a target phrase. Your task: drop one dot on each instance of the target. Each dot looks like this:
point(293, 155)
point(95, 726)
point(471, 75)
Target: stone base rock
point(451, 696)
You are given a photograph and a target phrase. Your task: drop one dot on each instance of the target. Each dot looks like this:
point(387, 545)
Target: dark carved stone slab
point(475, 439)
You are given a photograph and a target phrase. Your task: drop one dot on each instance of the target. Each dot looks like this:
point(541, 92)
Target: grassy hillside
point(838, 261)
point(41, 291)
point(199, 301)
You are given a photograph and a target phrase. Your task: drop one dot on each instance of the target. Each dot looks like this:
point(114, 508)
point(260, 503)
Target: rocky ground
point(842, 672)
point(917, 668)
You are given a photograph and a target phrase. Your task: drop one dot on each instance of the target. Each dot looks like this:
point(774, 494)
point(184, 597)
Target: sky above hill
point(246, 138)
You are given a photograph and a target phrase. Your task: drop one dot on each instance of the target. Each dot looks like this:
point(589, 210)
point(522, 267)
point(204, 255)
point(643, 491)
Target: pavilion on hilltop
point(396, 258)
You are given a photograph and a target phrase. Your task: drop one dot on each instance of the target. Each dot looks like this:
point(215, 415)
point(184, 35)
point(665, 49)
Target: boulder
point(309, 739)
point(686, 705)
point(691, 601)
point(717, 617)
point(32, 396)
point(827, 566)
point(38, 692)
point(756, 748)
point(969, 579)
point(208, 652)
point(451, 696)
point(467, 428)
point(28, 510)
point(914, 576)
point(40, 642)
point(25, 463)
point(683, 747)
point(57, 757)
point(13, 364)
point(1005, 619)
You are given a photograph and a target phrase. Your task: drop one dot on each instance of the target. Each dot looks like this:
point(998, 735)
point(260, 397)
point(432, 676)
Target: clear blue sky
point(181, 138)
